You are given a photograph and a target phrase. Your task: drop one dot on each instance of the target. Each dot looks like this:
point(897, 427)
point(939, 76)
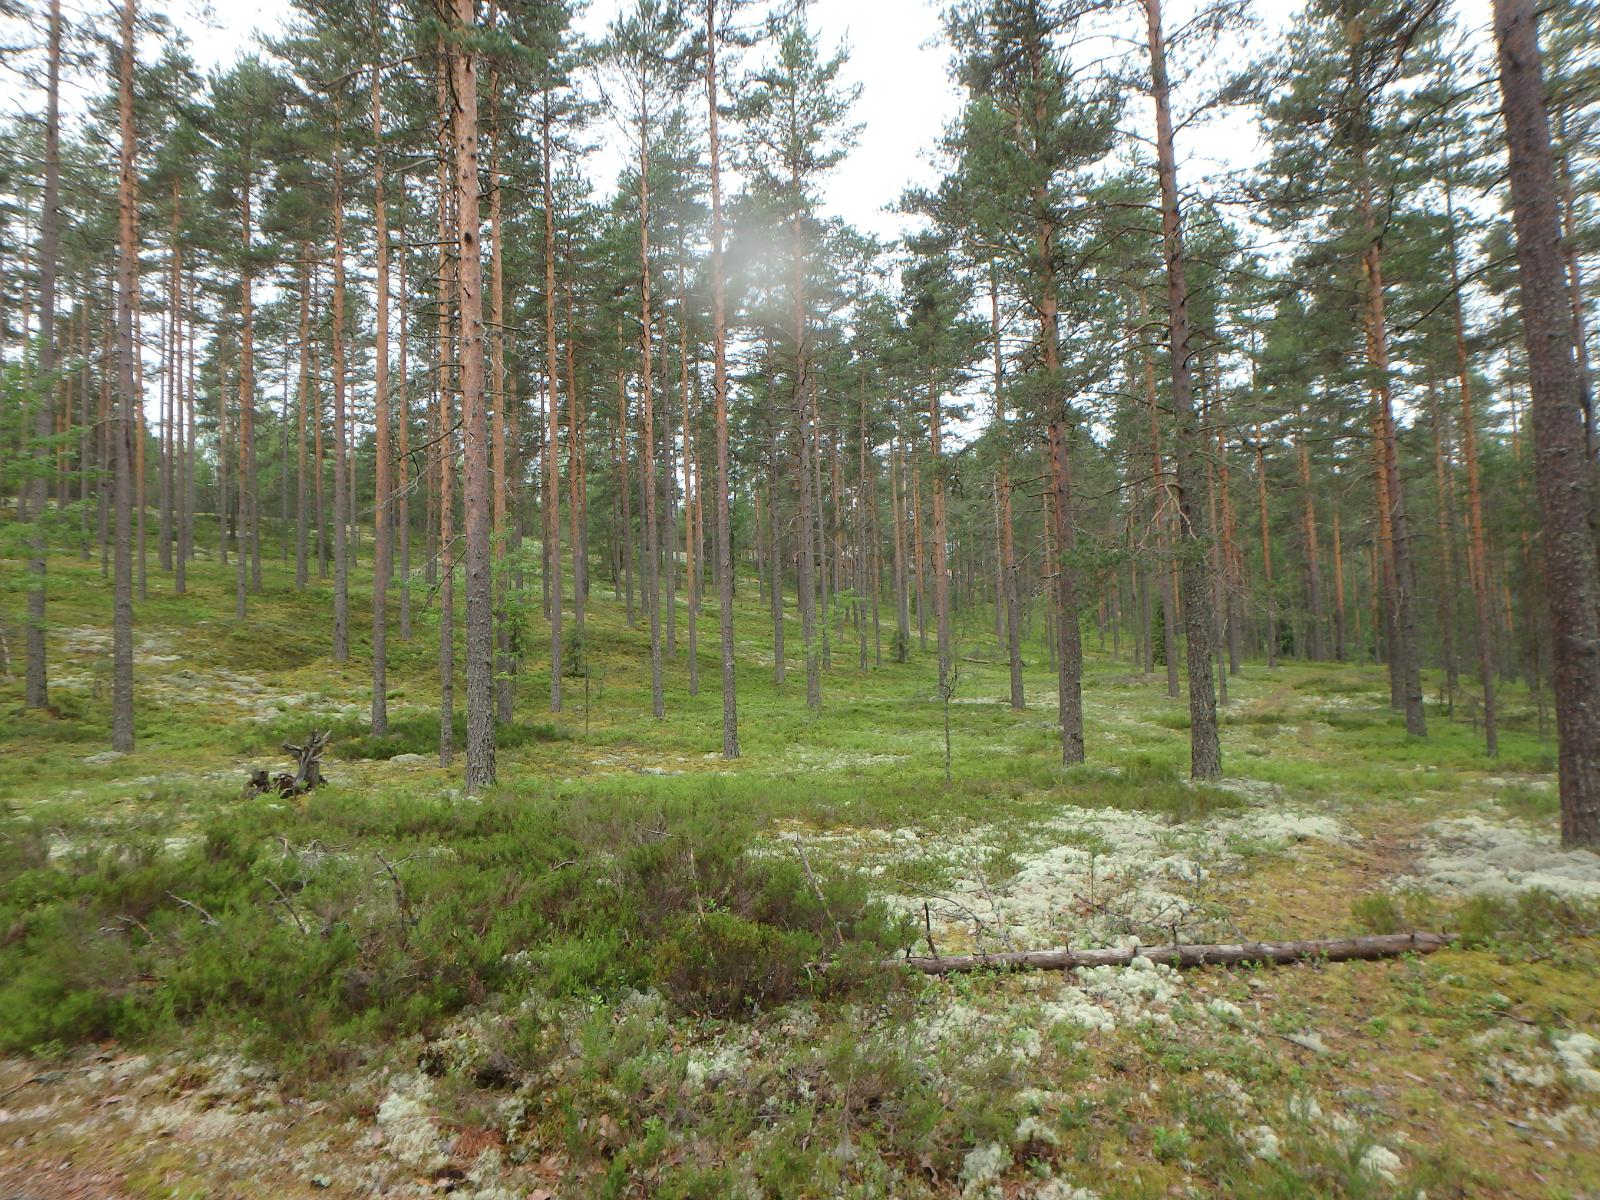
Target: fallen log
point(1388, 945)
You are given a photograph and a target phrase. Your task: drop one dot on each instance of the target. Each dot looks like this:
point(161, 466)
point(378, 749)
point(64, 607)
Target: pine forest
point(782, 598)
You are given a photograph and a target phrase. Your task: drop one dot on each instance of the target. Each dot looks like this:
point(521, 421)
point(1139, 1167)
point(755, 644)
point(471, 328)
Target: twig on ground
point(204, 915)
point(817, 888)
point(284, 900)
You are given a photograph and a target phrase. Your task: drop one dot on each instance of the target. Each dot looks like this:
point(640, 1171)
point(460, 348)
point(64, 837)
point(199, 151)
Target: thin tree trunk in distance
point(1069, 647)
point(624, 489)
point(137, 433)
point(402, 481)
point(189, 388)
point(247, 403)
point(1445, 536)
point(1266, 550)
point(691, 563)
point(575, 487)
point(1477, 542)
point(1339, 632)
point(168, 390)
point(941, 571)
point(319, 451)
point(85, 429)
point(187, 478)
point(300, 421)
point(341, 475)
point(1205, 748)
point(1159, 516)
point(1008, 553)
point(902, 591)
point(1313, 553)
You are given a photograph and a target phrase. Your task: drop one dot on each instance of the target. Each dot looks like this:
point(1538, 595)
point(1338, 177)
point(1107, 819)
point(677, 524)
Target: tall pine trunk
point(576, 488)
point(36, 690)
point(647, 449)
point(402, 474)
point(247, 405)
point(1561, 459)
point(382, 511)
point(505, 681)
point(128, 397)
point(474, 419)
point(719, 334)
point(551, 475)
point(302, 409)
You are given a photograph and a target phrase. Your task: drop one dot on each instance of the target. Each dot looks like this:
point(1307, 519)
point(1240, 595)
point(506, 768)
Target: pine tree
point(36, 689)
point(1562, 462)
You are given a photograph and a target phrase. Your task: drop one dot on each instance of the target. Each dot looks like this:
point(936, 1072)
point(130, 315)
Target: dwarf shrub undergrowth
point(355, 916)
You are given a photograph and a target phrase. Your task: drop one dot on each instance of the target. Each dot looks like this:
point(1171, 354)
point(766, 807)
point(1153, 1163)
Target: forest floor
point(605, 978)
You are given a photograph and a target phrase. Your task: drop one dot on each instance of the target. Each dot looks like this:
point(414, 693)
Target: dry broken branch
point(1390, 945)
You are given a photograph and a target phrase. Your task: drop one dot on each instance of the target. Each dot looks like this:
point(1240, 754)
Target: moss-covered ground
point(635, 969)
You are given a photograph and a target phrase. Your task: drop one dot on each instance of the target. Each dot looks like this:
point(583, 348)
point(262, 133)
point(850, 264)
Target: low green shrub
point(1534, 919)
point(411, 733)
point(1530, 803)
point(350, 918)
point(719, 963)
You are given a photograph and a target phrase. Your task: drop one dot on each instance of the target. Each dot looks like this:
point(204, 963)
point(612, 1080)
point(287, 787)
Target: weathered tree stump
point(307, 775)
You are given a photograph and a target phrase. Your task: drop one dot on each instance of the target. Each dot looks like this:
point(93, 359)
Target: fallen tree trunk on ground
point(1388, 945)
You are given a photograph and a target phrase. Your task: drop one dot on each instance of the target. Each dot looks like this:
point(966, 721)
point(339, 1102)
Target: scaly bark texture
point(647, 448)
point(1559, 445)
point(382, 518)
point(505, 680)
point(36, 690)
point(300, 422)
point(551, 473)
point(474, 417)
point(128, 397)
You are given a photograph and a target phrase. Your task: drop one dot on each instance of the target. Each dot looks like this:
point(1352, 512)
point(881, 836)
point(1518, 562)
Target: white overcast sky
point(906, 98)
